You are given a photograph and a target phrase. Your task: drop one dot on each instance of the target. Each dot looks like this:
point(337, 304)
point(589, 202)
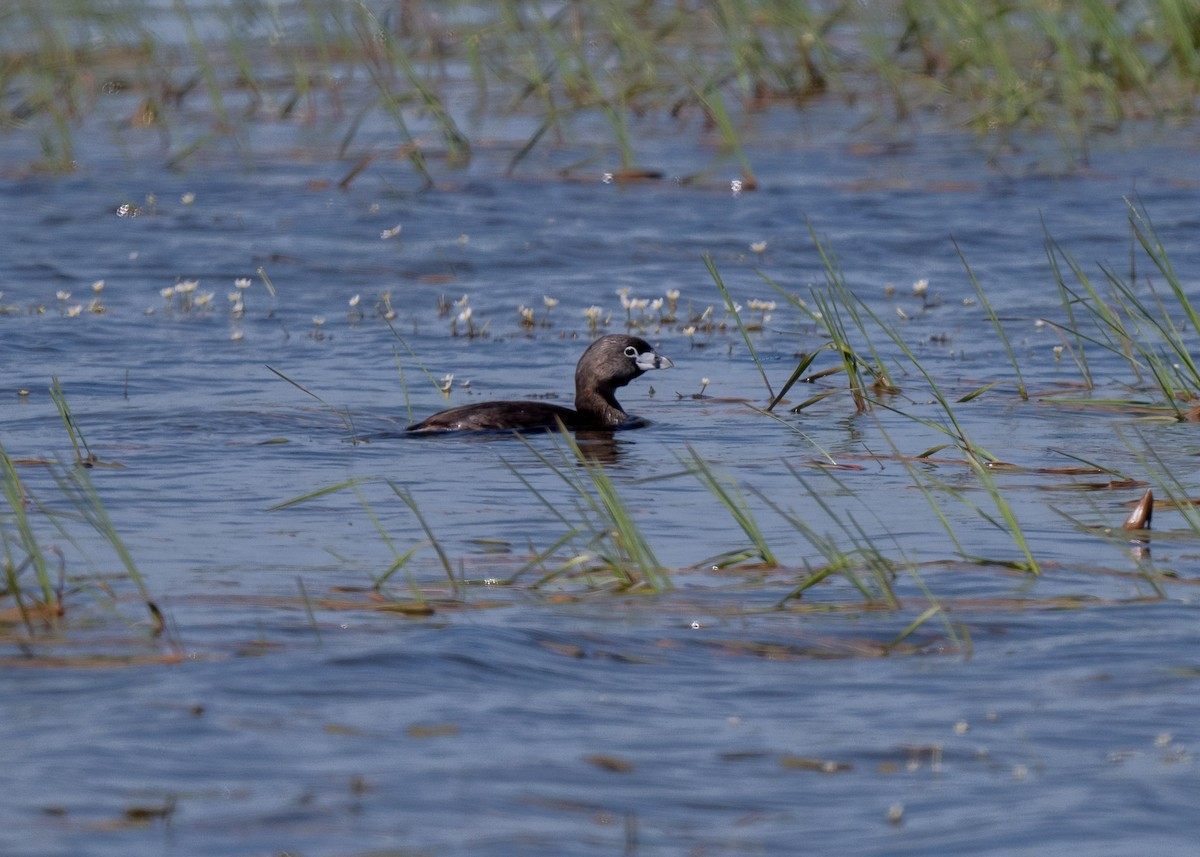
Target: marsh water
point(286, 709)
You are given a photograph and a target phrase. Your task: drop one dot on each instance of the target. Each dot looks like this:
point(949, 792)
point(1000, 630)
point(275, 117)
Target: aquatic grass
point(732, 309)
point(309, 614)
point(995, 320)
point(734, 502)
point(979, 459)
point(1081, 68)
point(1135, 327)
point(607, 523)
point(862, 553)
point(457, 145)
point(200, 53)
point(833, 305)
point(343, 414)
point(408, 500)
point(73, 431)
point(22, 548)
point(25, 548)
point(438, 385)
point(78, 487)
point(714, 104)
point(400, 559)
point(837, 303)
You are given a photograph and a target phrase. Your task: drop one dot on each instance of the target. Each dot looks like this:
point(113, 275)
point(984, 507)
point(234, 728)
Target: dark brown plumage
point(609, 363)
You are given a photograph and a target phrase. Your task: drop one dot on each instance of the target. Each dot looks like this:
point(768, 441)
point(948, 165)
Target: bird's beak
point(648, 360)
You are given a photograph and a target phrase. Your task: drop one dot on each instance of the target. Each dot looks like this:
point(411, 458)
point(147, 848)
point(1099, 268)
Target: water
point(574, 720)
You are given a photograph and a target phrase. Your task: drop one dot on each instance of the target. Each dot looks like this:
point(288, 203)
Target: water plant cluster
point(427, 70)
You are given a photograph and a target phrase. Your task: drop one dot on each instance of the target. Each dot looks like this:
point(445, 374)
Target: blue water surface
point(282, 713)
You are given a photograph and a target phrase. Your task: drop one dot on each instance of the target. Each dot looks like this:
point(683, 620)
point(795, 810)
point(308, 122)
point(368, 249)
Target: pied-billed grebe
point(610, 362)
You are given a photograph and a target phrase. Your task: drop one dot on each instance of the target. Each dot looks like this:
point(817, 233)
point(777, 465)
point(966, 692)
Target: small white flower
point(759, 246)
point(236, 336)
point(98, 286)
point(242, 283)
point(354, 300)
point(672, 294)
point(593, 313)
point(465, 315)
point(920, 286)
point(461, 301)
point(204, 299)
point(63, 296)
point(656, 304)
point(187, 287)
point(168, 292)
point(390, 233)
point(188, 198)
point(74, 311)
point(550, 302)
point(690, 330)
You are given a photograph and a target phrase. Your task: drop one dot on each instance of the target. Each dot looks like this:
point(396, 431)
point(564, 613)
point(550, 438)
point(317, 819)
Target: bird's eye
point(630, 351)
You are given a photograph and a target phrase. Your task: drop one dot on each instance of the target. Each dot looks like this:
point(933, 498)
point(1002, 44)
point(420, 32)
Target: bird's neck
point(600, 406)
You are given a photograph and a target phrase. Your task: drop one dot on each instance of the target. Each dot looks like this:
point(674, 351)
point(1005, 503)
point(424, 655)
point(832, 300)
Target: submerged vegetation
point(437, 81)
